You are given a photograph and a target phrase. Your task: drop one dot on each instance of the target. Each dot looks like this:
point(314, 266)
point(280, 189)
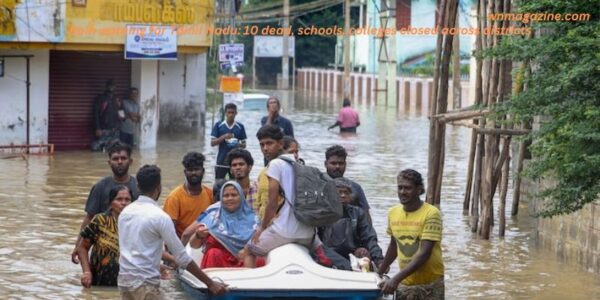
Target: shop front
point(76, 46)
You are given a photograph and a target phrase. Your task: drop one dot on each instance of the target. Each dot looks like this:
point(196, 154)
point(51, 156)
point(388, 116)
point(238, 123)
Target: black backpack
point(317, 200)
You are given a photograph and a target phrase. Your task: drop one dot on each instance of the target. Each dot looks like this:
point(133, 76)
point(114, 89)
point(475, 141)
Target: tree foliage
point(563, 88)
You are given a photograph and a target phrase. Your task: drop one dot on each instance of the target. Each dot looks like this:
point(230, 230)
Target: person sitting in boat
point(291, 146)
point(352, 234)
point(225, 228)
point(102, 266)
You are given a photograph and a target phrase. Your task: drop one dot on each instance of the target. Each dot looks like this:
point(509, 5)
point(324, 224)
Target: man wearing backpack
point(284, 228)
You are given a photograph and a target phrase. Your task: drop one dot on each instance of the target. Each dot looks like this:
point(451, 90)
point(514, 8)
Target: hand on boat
point(202, 231)
point(380, 269)
point(388, 286)
point(165, 273)
point(242, 254)
point(256, 235)
point(86, 279)
point(361, 252)
point(217, 288)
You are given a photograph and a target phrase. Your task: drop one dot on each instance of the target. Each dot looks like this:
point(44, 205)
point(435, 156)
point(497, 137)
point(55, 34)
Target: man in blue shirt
point(228, 134)
point(273, 107)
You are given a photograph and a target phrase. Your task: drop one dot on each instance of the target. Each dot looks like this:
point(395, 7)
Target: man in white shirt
point(144, 228)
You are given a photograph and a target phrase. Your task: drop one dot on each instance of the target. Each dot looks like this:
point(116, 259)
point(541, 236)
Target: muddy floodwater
point(42, 200)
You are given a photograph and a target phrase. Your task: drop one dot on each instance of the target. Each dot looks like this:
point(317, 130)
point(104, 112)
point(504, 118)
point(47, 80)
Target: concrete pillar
point(406, 95)
point(144, 75)
point(315, 86)
point(195, 88)
point(429, 95)
point(397, 83)
point(368, 89)
point(360, 87)
point(419, 95)
point(364, 89)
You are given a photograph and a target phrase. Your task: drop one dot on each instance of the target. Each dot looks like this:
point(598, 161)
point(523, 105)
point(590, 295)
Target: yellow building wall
point(101, 24)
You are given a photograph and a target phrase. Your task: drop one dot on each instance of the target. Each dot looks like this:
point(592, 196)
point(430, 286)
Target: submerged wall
point(574, 238)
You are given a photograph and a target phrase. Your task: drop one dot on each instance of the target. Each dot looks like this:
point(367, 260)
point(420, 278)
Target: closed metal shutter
point(76, 78)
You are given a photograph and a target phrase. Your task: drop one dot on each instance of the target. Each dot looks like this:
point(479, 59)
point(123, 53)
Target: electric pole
point(285, 59)
point(346, 78)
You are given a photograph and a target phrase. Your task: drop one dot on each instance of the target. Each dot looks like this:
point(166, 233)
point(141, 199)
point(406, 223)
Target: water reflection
point(43, 199)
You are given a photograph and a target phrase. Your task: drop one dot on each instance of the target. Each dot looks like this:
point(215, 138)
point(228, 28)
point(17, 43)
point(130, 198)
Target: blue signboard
point(151, 42)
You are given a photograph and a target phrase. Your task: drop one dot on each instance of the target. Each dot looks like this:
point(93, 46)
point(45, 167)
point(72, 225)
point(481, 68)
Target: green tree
point(564, 88)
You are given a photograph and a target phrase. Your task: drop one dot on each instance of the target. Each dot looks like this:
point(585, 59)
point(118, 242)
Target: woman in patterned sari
point(102, 265)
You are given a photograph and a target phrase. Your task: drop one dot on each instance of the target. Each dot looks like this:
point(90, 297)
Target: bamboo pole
point(473, 183)
point(476, 196)
point(519, 86)
point(438, 189)
point(441, 11)
point(462, 115)
point(503, 192)
point(485, 40)
point(495, 131)
point(432, 160)
point(491, 146)
point(466, 201)
point(456, 86)
point(502, 157)
point(517, 182)
point(437, 130)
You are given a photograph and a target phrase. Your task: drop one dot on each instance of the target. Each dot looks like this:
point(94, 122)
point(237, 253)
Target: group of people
point(240, 220)
point(115, 117)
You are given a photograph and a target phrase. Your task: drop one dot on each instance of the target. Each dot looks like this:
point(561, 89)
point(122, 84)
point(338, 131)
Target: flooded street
point(43, 198)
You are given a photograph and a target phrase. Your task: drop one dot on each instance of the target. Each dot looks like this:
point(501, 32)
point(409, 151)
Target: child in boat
point(225, 228)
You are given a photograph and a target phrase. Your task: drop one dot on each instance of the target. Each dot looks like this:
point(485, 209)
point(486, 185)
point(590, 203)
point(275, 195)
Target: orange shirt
point(184, 209)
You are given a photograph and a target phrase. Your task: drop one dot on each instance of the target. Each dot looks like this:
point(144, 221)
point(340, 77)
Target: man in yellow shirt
point(187, 201)
point(271, 149)
point(415, 228)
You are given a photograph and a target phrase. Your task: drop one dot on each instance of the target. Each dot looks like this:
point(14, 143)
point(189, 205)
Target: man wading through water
point(415, 228)
point(119, 159)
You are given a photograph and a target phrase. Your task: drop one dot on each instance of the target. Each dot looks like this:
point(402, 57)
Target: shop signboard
point(272, 46)
point(151, 42)
point(231, 53)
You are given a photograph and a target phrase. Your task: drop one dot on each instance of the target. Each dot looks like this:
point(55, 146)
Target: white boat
point(290, 272)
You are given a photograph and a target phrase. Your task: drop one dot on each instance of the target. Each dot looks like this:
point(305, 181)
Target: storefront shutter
point(76, 78)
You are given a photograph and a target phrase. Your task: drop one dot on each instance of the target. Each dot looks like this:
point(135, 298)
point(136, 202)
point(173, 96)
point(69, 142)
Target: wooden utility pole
point(456, 86)
point(346, 78)
point(285, 59)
